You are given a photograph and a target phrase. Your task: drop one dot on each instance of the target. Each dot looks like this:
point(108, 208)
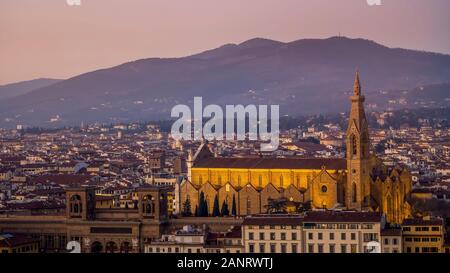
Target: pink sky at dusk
point(48, 38)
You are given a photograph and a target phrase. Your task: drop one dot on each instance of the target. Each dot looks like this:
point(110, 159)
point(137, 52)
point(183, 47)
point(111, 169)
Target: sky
point(49, 38)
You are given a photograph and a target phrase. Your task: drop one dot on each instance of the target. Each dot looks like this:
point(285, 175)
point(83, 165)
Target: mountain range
point(304, 76)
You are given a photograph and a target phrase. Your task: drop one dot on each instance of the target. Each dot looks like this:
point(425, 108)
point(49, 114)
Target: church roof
point(272, 163)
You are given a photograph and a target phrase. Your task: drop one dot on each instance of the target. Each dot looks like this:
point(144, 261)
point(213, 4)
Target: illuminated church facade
point(358, 182)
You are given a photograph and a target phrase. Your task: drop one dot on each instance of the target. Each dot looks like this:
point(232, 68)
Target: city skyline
point(70, 40)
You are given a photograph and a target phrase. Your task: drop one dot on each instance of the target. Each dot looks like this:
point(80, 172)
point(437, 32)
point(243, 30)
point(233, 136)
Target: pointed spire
point(357, 85)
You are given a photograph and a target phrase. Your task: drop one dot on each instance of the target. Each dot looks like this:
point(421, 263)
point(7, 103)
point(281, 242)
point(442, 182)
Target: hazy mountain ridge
point(21, 88)
point(303, 76)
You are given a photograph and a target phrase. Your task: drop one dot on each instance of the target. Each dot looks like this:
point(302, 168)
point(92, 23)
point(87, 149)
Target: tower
point(357, 193)
point(80, 203)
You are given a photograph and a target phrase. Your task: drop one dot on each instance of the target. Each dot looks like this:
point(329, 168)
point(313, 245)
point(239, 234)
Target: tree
point(233, 207)
point(224, 211)
point(206, 212)
point(187, 208)
point(276, 205)
point(201, 204)
point(216, 211)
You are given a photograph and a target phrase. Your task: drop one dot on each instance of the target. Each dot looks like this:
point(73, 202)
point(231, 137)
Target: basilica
point(360, 181)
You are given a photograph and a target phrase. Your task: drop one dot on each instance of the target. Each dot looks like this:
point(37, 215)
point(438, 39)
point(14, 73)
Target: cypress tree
point(216, 211)
point(201, 204)
point(206, 209)
point(233, 208)
point(187, 208)
point(224, 211)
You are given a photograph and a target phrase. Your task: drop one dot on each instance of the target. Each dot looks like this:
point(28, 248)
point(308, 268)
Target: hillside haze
point(303, 77)
point(20, 88)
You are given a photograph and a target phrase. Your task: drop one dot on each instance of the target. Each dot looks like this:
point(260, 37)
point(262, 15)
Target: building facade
point(423, 236)
point(96, 229)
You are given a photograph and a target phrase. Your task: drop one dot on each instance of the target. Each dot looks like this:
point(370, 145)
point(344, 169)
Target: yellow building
point(10, 243)
point(423, 235)
point(358, 182)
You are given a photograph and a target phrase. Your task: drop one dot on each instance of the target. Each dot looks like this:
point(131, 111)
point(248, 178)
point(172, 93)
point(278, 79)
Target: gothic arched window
point(260, 181)
point(354, 193)
point(353, 145)
point(239, 180)
point(281, 181)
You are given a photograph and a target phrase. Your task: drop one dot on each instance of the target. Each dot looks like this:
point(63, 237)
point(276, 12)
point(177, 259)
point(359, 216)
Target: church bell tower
point(357, 193)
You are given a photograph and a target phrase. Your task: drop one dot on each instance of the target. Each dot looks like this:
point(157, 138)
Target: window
point(353, 236)
point(395, 241)
point(386, 241)
point(294, 236)
point(320, 248)
point(353, 248)
point(320, 236)
point(343, 248)
point(272, 248)
point(354, 145)
point(331, 236)
point(343, 237)
point(251, 248)
point(272, 236)
point(260, 181)
point(294, 248)
point(261, 236)
point(354, 193)
point(281, 181)
point(262, 248)
point(324, 189)
point(310, 248)
point(250, 236)
point(310, 236)
point(332, 248)
point(435, 229)
point(283, 236)
point(283, 248)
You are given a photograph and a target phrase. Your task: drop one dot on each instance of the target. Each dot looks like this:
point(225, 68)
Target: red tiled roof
point(273, 219)
point(272, 163)
point(342, 216)
point(422, 222)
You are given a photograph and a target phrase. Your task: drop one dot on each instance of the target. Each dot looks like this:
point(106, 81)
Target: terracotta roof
point(272, 163)
point(422, 222)
point(342, 216)
point(273, 219)
point(391, 232)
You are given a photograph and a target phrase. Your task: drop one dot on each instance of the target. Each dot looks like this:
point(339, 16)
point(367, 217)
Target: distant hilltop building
point(358, 182)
